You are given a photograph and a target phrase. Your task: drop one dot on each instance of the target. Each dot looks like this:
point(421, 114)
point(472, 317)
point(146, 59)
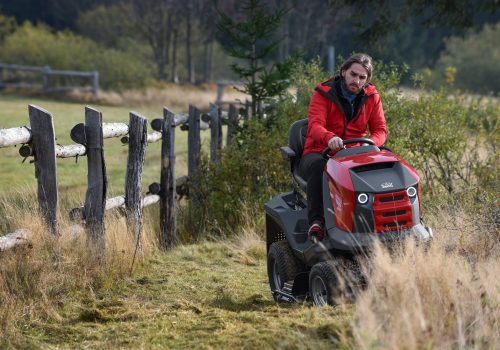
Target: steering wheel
point(348, 142)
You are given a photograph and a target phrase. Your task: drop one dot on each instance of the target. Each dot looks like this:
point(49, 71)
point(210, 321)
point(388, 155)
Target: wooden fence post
point(247, 109)
point(43, 142)
point(194, 142)
point(168, 203)
point(137, 144)
point(215, 133)
point(45, 77)
point(95, 82)
point(231, 123)
point(95, 201)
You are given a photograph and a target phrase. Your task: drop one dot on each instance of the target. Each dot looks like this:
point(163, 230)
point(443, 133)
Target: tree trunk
point(173, 76)
point(210, 56)
point(253, 64)
point(205, 61)
point(190, 65)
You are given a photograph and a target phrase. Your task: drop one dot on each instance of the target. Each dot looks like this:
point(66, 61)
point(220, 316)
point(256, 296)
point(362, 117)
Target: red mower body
point(384, 179)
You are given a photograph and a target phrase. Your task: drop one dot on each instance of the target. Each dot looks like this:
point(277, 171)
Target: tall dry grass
point(39, 278)
point(447, 297)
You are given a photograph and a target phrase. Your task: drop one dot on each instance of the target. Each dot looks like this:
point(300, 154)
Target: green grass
point(72, 179)
point(198, 296)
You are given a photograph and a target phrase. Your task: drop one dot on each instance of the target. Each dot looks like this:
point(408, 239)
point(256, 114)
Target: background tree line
point(168, 40)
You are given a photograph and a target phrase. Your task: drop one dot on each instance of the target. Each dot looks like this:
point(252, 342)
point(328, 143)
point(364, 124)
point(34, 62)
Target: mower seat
point(293, 152)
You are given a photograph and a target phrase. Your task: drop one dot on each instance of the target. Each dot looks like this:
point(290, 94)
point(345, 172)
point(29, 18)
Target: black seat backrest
point(296, 140)
point(297, 136)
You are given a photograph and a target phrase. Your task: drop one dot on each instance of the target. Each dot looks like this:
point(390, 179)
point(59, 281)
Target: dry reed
point(447, 297)
point(38, 278)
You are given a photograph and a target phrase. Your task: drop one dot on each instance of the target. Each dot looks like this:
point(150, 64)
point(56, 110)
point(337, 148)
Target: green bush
point(37, 45)
point(475, 59)
point(452, 144)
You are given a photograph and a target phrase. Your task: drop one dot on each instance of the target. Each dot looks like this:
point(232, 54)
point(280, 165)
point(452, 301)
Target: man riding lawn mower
point(356, 195)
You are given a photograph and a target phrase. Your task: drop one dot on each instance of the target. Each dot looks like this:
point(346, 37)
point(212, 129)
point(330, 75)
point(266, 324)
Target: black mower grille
point(391, 199)
point(394, 224)
point(394, 213)
point(376, 166)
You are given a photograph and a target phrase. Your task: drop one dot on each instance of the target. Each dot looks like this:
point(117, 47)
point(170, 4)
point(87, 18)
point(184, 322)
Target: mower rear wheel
point(282, 266)
point(331, 281)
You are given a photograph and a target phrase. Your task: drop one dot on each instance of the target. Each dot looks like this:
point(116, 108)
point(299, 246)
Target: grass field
point(215, 295)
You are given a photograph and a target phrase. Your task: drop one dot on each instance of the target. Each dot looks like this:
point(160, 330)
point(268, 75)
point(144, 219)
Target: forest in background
point(135, 43)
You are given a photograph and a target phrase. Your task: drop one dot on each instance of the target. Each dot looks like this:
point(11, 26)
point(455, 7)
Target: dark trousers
point(311, 169)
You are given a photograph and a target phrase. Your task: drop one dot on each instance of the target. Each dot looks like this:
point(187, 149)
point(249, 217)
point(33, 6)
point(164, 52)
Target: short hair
point(361, 58)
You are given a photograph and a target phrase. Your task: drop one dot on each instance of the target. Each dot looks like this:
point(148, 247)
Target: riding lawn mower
point(369, 195)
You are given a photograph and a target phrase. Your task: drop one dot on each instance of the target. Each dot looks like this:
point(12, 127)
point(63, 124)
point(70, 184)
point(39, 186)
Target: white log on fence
point(154, 136)
point(78, 214)
point(14, 136)
point(150, 199)
point(70, 151)
point(13, 239)
point(110, 130)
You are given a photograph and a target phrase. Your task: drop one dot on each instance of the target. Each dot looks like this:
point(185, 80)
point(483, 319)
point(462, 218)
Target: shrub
point(37, 45)
point(475, 59)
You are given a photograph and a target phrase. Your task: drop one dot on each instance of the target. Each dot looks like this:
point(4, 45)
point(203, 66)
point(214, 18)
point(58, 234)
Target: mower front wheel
point(331, 281)
point(282, 266)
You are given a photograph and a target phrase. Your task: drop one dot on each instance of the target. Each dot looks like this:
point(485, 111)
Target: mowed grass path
point(202, 296)
point(72, 180)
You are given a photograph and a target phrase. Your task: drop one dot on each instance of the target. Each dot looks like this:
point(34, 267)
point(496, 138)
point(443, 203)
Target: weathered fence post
point(43, 142)
point(95, 82)
point(45, 77)
point(231, 123)
point(168, 223)
point(215, 133)
point(95, 201)
point(138, 134)
point(247, 109)
point(194, 142)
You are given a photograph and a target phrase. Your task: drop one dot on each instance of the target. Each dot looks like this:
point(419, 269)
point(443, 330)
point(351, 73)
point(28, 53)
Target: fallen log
point(13, 239)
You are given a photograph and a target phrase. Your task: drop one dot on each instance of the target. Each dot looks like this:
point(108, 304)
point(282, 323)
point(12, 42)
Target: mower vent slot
point(394, 213)
point(375, 166)
point(391, 198)
point(280, 236)
point(393, 224)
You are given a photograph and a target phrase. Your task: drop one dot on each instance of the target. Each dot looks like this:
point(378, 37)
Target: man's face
point(355, 77)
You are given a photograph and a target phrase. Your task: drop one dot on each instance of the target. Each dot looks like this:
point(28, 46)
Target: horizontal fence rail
point(45, 72)
point(38, 141)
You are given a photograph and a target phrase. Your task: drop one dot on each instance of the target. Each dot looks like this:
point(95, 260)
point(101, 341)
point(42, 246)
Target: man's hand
point(335, 143)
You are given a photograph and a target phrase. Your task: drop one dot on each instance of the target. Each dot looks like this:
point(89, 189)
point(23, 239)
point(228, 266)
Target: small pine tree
point(251, 40)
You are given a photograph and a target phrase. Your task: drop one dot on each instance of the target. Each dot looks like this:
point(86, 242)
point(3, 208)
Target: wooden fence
point(14, 75)
point(38, 142)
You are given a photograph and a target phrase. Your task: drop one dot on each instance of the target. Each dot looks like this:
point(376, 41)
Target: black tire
point(331, 282)
point(282, 266)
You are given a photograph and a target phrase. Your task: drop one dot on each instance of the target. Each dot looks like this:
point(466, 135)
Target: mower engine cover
point(372, 192)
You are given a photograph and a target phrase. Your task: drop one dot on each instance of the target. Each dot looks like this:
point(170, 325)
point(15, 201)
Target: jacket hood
point(329, 84)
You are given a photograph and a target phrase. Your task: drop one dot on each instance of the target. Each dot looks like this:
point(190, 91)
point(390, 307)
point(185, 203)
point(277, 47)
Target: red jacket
point(327, 118)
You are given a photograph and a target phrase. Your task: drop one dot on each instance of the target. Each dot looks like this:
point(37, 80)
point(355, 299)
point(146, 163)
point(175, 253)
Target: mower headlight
point(411, 191)
point(362, 198)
